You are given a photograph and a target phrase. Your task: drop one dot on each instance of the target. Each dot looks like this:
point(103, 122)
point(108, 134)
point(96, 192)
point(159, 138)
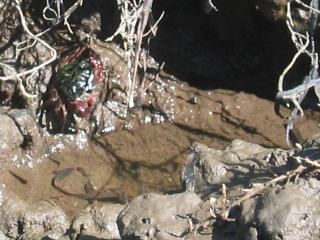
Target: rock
point(21, 140)
point(98, 220)
point(11, 137)
point(289, 212)
point(245, 149)
point(234, 165)
point(155, 216)
point(38, 82)
point(3, 236)
point(21, 219)
point(282, 212)
point(43, 218)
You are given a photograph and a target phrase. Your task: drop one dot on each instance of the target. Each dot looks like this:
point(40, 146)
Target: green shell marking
point(75, 79)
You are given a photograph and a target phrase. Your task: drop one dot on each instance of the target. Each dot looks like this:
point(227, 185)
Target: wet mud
point(143, 156)
point(90, 183)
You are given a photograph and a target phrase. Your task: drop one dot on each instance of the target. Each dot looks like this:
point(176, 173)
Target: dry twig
point(135, 15)
point(11, 72)
point(305, 44)
point(14, 74)
point(306, 165)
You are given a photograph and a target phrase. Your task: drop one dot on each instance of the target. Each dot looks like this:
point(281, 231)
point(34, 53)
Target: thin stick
point(146, 9)
point(26, 29)
point(294, 59)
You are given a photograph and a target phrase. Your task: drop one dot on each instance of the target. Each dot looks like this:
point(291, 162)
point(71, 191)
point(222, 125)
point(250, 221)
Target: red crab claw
point(83, 107)
point(75, 55)
point(97, 69)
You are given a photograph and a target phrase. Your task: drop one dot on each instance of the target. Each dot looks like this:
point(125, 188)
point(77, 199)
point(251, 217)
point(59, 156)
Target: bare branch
point(305, 44)
point(36, 38)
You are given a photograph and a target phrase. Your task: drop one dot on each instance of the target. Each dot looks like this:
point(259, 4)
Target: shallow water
point(146, 160)
point(147, 156)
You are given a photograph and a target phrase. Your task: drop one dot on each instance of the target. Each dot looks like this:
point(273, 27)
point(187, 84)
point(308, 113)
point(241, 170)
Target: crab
point(73, 91)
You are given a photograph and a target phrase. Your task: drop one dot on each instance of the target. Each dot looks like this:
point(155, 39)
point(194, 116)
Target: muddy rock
point(21, 140)
point(11, 137)
point(209, 167)
point(155, 216)
point(3, 236)
point(245, 149)
point(38, 82)
point(21, 219)
point(43, 218)
point(98, 220)
point(288, 212)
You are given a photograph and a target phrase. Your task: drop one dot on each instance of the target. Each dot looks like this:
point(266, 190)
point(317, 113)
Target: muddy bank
point(240, 191)
point(144, 154)
point(77, 163)
point(91, 185)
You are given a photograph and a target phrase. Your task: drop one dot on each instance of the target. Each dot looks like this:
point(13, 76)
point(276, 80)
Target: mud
point(148, 157)
point(156, 171)
point(145, 157)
